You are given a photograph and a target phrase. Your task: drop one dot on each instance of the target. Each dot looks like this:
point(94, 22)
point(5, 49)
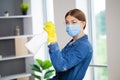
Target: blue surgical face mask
point(73, 30)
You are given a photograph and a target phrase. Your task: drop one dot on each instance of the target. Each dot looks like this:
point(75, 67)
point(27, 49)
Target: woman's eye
point(74, 22)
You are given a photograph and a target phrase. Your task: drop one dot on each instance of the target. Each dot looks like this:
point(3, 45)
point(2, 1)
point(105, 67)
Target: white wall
point(37, 16)
point(60, 9)
point(37, 23)
point(113, 38)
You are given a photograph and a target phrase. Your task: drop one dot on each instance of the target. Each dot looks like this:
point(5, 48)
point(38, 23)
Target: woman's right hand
point(50, 29)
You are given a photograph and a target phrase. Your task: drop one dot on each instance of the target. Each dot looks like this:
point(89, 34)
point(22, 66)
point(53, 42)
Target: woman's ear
point(83, 24)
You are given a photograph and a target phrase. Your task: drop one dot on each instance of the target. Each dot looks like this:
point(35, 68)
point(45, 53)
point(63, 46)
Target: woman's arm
point(74, 56)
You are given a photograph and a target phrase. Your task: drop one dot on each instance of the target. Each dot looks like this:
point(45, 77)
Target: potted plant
point(42, 70)
point(24, 8)
point(6, 13)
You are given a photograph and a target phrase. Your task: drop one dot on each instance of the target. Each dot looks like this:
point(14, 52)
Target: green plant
point(24, 6)
point(42, 69)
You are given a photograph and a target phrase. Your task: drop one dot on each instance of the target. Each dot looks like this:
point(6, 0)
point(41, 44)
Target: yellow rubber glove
point(50, 29)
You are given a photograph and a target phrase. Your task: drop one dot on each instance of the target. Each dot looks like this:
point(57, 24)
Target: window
point(96, 30)
point(99, 39)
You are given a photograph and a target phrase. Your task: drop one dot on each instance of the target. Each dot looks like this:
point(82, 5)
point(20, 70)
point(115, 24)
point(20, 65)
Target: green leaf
point(48, 74)
point(46, 64)
point(47, 79)
point(36, 68)
point(37, 76)
point(40, 62)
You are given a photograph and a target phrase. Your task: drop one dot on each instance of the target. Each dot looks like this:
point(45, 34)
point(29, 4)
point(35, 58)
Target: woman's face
point(72, 20)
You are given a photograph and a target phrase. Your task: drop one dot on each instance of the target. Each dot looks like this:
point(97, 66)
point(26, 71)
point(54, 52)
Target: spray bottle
point(39, 39)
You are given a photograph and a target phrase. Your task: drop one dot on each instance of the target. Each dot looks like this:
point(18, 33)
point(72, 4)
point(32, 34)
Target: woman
point(72, 62)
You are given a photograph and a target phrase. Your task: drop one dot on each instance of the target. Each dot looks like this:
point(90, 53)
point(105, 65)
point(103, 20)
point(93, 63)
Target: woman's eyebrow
point(73, 20)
